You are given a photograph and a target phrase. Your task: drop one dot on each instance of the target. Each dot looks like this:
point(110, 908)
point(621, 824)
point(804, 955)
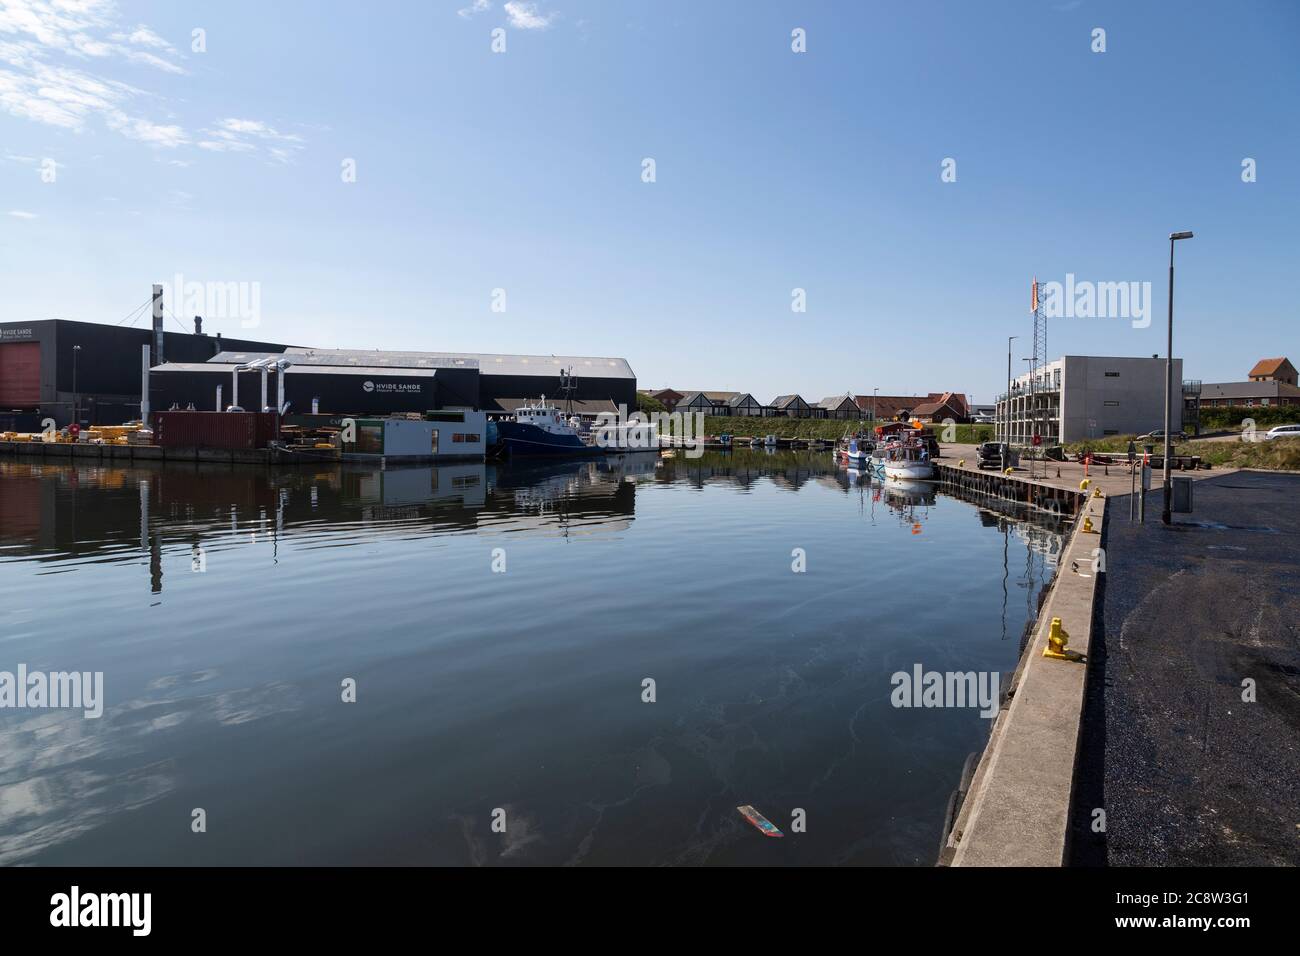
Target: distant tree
point(645, 404)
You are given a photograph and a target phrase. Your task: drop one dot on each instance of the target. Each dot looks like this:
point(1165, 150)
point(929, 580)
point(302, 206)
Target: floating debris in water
point(764, 825)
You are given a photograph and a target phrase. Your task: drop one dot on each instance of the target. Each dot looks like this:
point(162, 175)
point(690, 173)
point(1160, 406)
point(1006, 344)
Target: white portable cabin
point(444, 435)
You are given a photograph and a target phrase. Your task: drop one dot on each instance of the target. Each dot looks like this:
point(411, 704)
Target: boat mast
point(568, 383)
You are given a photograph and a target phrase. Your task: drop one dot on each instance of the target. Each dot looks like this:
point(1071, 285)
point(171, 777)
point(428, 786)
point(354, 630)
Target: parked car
point(1159, 435)
point(1282, 431)
point(989, 454)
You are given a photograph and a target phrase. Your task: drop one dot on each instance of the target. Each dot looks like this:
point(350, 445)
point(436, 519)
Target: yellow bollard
point(1057, 640)
point(1008, 471)
point(1087, 525)
point(1096, 492)
point(961, 462)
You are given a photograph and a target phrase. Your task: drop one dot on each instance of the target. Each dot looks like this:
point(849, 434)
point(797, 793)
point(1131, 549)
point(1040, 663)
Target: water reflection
point(45, 516)
point(225, 606)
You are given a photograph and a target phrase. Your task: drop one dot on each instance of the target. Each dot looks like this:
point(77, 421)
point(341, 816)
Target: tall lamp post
point(76, 396)
point(874, 392)
point(1006, 437)
point(1167, 514)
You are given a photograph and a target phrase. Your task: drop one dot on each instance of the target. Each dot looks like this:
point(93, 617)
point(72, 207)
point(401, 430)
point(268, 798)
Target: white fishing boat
point(770, 441)
point(856, 456)
point(909, 461)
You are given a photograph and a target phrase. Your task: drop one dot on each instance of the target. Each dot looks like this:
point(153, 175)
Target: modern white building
point(1089, 396)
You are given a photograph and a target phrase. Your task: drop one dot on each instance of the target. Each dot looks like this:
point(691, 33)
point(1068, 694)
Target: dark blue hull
point(529, 441)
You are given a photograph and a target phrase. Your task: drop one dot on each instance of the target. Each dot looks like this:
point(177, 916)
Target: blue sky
point(522, 171)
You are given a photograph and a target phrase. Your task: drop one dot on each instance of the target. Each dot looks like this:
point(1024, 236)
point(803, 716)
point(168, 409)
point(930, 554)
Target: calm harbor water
point(226, 607)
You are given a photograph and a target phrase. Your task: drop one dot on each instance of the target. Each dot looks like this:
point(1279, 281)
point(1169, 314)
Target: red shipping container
point(233, 431)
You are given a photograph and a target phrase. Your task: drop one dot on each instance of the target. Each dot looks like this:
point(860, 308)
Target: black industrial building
point(43, 374)
point(372, 382)
point(49, 366)
point(352, 388)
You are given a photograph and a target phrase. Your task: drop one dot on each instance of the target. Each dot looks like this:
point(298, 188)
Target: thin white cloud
point(478, 6)
point(46, 47)
point(35, 86)
point(165, 135)
point(256, 128)
point(22, 214)
point(524, 15)
point(74, 27)
point(143, 36)
point(56, 95)
point(235, 135)
point(226, 146)
point(150, 59)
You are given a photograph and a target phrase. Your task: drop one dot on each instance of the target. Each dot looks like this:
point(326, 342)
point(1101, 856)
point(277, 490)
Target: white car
point(1282, 431)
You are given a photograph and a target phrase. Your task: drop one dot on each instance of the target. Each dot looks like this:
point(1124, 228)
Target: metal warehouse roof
point(304, 368)
point(346, 358)
point(486, 362)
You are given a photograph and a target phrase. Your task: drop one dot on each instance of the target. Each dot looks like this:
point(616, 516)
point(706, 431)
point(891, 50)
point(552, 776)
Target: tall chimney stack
point(198, 325)
point(158, 357)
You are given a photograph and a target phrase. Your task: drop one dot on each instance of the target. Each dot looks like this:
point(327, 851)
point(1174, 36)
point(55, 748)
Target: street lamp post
point(874, 392)
point(1006, 436)
point(76, 396)
point(1167, 514)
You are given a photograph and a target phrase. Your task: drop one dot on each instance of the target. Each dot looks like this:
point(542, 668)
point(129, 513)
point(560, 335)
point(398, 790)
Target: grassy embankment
point(1280, 455)
point(829, 429)
point(1232, 417)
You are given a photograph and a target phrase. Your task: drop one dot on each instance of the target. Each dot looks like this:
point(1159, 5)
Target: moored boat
point(539, 428)
point(908, 461)
point(856, 456)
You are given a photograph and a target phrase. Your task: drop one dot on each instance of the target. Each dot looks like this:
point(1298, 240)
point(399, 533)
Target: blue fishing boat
point(540, 429)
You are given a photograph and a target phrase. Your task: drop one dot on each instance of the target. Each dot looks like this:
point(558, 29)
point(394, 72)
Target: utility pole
point(76, 395)
point(1167, 513)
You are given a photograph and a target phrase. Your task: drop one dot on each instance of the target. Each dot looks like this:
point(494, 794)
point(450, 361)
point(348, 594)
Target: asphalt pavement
point(1194, 619)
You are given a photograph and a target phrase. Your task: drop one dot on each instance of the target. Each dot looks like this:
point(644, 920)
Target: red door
point(20, 375)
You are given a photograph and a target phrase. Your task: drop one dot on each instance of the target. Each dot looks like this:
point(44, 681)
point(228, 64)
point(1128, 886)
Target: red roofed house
point(904, 407)
point(1274, 370)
